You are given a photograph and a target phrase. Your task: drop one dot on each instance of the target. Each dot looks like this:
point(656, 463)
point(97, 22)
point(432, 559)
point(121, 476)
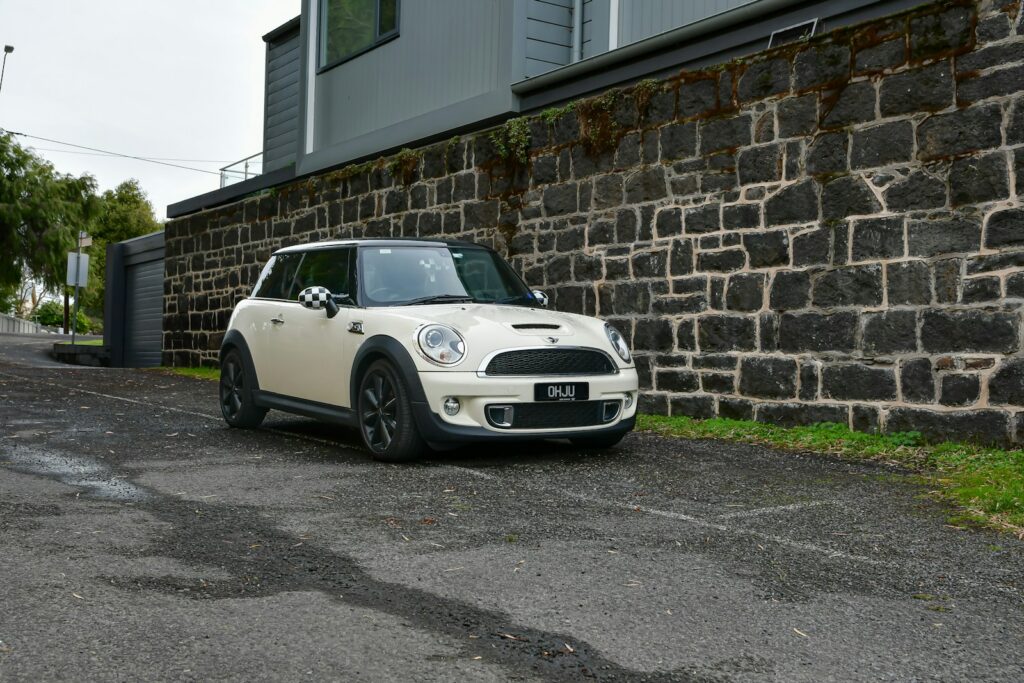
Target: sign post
point(78, 276)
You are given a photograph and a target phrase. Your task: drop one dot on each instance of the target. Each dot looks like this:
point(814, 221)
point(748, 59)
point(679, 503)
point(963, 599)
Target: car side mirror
point(541, 297)
point(319, 299)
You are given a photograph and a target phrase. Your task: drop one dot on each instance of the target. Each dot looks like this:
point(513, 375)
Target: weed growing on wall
point(643, 92)
point(598, 130)
point(403, 165)
point(512, 140)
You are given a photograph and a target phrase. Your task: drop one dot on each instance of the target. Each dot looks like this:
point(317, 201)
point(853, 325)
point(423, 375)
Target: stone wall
point(831, 231)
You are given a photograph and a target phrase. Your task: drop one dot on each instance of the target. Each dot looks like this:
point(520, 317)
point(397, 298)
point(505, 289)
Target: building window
point(351, 27)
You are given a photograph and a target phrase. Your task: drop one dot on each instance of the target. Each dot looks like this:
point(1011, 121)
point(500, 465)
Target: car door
point(268, 303)
point(312, 351)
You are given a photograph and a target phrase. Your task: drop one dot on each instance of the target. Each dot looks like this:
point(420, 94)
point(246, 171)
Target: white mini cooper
point(421, 344)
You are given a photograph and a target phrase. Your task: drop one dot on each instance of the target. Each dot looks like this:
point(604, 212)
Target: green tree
point(51, 314)
point(41, 212)
point(123, 213)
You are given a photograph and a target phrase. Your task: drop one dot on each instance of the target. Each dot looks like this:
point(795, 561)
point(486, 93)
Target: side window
point(351, 27)
point(278, 278)
point(330, 268)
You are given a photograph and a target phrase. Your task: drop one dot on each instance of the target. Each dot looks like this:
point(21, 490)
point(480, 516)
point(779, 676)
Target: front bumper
point(476, 393)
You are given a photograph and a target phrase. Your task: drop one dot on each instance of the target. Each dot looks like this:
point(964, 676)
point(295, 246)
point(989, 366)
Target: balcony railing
point(246, 168)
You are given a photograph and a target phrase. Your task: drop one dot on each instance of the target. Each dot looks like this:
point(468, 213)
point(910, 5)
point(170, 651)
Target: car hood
point(491, 327)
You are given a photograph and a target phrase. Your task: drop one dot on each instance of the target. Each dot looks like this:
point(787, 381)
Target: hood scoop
point(536, 326)
point(541, 329)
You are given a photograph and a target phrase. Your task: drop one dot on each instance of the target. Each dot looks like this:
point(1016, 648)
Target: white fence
point(12, 325)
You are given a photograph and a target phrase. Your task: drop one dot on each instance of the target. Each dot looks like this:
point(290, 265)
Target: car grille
point(551, 362)
point(561, 415)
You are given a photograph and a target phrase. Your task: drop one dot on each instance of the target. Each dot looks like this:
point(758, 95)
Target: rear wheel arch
point(234, 340)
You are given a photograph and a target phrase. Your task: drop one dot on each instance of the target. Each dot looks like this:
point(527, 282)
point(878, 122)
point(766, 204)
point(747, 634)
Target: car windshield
point(402, 276)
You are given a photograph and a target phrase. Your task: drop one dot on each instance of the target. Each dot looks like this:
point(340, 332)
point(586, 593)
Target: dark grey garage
point(132, 326)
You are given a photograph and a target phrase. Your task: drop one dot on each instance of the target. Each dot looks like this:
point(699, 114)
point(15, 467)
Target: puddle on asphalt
point(93, 477)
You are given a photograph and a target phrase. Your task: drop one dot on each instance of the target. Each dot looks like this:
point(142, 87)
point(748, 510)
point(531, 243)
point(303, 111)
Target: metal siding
point(281, 102)
point(639, 19)
point(595, 27)
point(445, 53)
point(144, 290)
point(282, 117)
point(548, 35)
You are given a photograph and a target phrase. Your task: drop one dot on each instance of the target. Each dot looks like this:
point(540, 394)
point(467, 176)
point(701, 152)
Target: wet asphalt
point(143, 539)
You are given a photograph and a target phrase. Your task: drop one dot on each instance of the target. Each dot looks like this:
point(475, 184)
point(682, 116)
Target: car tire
point(384, 410)
point(236, 400)
point(598, 442)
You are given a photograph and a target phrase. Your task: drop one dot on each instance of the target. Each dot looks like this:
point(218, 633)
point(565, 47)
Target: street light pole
point(8, 49)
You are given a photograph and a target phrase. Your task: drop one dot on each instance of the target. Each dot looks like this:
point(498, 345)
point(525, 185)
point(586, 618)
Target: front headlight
point(618, 343)
point(441, 344)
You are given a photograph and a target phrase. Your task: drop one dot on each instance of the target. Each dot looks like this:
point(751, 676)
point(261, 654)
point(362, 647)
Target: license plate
point(561, 391)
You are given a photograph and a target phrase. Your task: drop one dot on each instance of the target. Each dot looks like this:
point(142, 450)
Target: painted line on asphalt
point(157, 406)
point(773, 509)
point(698, 522)
point(147, 404)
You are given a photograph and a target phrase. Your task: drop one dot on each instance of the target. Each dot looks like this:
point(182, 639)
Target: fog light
point(452, 406)
point(629, 401)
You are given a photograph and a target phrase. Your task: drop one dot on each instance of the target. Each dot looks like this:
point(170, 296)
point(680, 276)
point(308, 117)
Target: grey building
point(349, 80)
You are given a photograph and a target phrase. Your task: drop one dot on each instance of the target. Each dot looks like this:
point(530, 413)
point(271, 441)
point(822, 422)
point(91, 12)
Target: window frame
point(266, 272)
point(379, 40)
point(350, 298)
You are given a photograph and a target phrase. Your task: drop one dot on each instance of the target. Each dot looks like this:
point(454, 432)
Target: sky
point(174, 79)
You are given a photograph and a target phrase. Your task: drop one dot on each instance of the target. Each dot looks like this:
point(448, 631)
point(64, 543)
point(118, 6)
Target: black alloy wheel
point(236, 403)
point(380, 411)
point(385, 415)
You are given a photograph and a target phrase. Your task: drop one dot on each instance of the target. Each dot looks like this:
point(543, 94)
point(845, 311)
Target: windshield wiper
point(521, 298)
point(440, 299)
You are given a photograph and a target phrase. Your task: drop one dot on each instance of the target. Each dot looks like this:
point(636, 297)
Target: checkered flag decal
point(314, 297)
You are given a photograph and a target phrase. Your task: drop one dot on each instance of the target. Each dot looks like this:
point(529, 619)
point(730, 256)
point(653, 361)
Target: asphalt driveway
point(140, 538)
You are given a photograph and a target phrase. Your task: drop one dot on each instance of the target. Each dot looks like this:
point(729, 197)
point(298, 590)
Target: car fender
point(235, 340)
point(382, 345)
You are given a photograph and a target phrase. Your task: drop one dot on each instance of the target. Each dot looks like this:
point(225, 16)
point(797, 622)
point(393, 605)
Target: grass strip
point(87, 342)
point(195, 373)
point(985, 484)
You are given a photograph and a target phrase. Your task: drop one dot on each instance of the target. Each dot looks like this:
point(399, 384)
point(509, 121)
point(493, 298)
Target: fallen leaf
point(78, 596)
point(509, 636)
point(428, 520)
point(801, 633)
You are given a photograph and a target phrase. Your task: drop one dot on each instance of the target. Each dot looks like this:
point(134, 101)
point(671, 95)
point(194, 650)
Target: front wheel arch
point(383, 347)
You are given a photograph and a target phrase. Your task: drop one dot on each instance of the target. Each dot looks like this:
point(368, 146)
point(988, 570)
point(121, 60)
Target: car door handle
point(277, 321)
